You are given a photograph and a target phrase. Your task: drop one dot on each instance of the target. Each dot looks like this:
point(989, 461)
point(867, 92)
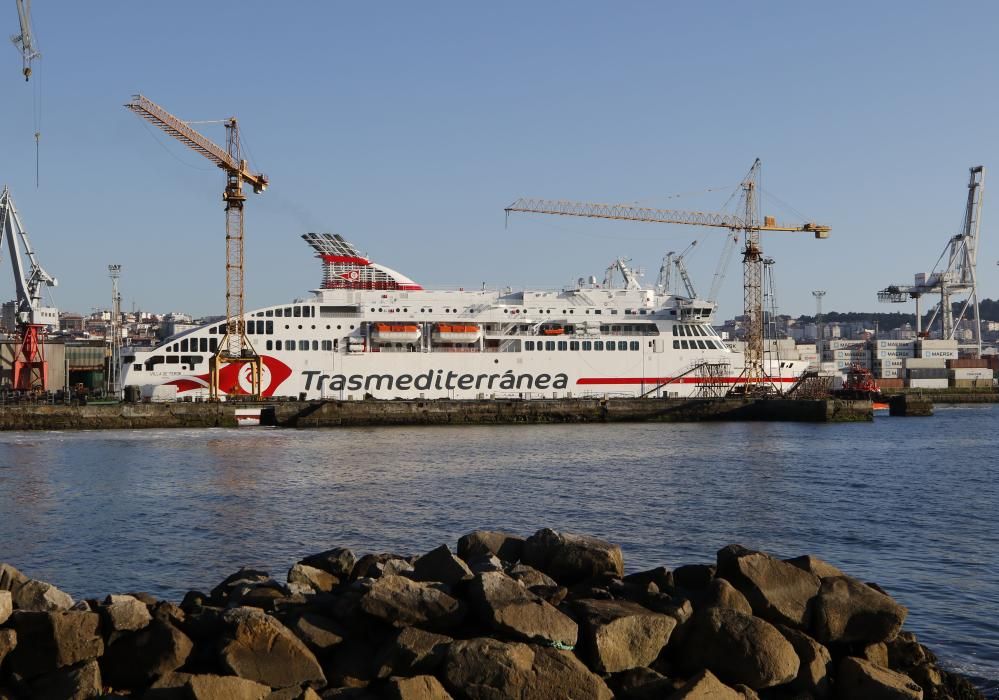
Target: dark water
point(908, 503)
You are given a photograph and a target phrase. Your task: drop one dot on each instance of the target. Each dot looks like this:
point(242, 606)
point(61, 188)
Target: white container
point(888, 372)
point(928, 383)
point(971, 373)
point(941, 354)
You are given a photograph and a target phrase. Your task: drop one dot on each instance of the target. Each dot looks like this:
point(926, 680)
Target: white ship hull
point(531, 344)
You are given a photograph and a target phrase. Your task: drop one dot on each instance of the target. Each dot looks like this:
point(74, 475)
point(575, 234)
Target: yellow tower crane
point(235, 346)
point(755, 379)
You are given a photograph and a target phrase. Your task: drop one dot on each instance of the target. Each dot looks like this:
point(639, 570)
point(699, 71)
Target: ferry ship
point(372, 332)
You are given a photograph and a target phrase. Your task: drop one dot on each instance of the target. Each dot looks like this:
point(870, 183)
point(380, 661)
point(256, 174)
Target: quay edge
point(320, 414)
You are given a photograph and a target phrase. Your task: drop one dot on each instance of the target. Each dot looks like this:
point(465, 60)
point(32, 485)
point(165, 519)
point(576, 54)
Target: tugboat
point(860, 385)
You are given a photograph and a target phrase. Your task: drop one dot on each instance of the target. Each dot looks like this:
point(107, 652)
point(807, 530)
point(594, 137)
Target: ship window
point(701, 345)
point(213, 344)
point(203, 343)
point(587, 345)
point(315, 344)
point(137, 367)
point(287, 311)
point(270, 344)
point(684, 345)
point(278, 344)
point(327, 345)
point(598, 312)
point(563, 345)
point(270, 327)
point(615, 328)
point(676, 330)
point(541, 346)
point(598, 345)
point(191, 360)
point(634, 345)
point(622, 345)
point(173, 360)
point(152, 362)
point(609, 345)
point(183, 345)
point(676, 344)
point(528, 344)
point(303, 345)
point(268, 313)
point(549, 345)
point(278, 313)
point(289, 345)
point(574, 345)
point(250, 328)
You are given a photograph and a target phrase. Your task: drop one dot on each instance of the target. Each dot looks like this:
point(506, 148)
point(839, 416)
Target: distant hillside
point(988, 308)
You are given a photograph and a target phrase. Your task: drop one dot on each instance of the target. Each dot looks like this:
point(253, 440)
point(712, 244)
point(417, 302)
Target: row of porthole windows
point(301, 345)
point(195, 345)
point(289, 312)
point(690, 331)
point(697, 345)
point(585, 345)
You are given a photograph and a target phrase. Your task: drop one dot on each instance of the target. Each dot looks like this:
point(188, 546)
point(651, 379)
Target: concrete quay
point(322, 414)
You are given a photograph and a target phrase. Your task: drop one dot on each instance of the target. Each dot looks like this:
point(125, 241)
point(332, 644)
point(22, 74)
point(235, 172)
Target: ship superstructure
point(372, 332)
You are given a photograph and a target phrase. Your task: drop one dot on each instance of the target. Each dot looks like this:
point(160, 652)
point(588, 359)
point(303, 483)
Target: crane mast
point(754, 376)
point(25, 41)
point(235, 346)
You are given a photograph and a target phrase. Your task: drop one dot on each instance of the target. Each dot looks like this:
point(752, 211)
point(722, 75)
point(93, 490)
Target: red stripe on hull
point(671, 380)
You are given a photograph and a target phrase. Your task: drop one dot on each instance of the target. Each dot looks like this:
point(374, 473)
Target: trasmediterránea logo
point(432, 379)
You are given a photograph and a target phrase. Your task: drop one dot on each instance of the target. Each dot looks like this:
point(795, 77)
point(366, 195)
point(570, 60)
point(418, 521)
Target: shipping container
point(967, 362)
point(938, 354)
point(973, 383)
point(927, 373)
point(891, 383)
point(971, 373)
point(888, 373)
point(924, 362)
point(928, 383)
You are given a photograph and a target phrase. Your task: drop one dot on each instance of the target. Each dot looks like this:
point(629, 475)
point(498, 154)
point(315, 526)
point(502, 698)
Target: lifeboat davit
point(395, 332)
point(457, 333)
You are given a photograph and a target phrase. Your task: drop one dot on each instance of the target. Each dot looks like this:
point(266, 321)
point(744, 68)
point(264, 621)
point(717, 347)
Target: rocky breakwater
point(546, 617)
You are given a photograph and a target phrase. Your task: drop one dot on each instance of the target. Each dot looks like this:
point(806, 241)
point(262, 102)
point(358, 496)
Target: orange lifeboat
point(553, 330)
point(457, 333)
point(395, 332)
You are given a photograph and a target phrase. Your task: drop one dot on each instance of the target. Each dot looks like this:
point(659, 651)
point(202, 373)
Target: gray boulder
point(705, 686)
point(136, 658)
point(47, 641)
point(319, 633)
point(441, 565)
point(618, 635)
point(847, 610)
point(39, 596)
point(413, 651)
point(570, 558)
point(264, 650)
point(738, 648)
point(378, 565)
point(815, 663)
point(10, 578)
point(862, 679)
point(488, 669)
point(401, 602)
point(80, 682)
point(779, 592)
point(207, 687)
point(242, 579)
point(510, 609)
point(124, 613)
point(338, 561)
point(508, 548)
point(722, 594)
point(6, 605)
point(416, 688)
point(313, 578)
point(530, 577)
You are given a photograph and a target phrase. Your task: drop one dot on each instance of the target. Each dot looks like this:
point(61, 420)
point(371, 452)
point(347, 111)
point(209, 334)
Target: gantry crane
point(960, 276)
point(754, 376)
point(235, 346)
point(30, 371)
point(25, 41)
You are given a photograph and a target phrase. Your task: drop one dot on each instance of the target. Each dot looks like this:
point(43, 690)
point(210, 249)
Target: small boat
point(395, 332)
point(457, 333)
point(860, 385)
point(553, 330)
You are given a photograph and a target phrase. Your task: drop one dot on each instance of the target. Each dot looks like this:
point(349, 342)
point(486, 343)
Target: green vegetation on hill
point(988, 308)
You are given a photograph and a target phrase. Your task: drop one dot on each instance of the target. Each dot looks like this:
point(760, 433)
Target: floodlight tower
point(114, 365)
point(818, 294)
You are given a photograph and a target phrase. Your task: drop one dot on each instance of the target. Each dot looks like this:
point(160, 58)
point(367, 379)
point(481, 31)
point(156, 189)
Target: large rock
point(318, 632)
point(338, 561)
point(416, 688)
point(488, 669)
point(815, 663)
point(508, 548)
point(6, 605)
point(264, 650)
point(510, 609)
point(378, 565)
point(10, 578)
point(705, 686)
point(640, 684)
point(779, 592)
point(412, 651)
point(816, 566)
point(862, 679)
point(312, 577)
point(619, 635)
point(47, 641)
point(242, 579)
point(8, 640)
point(136, 658)
point(207, 687)
point(570, 558)
point(847, 610)
point(722, 594)
point(124, 613)
point(401, 602)
point(39, 596)
point(738, 648)
point(441, 565)
point(81, 682)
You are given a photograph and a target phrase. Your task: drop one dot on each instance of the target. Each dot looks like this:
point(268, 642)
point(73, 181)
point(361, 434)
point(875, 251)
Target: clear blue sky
point(407, 127)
